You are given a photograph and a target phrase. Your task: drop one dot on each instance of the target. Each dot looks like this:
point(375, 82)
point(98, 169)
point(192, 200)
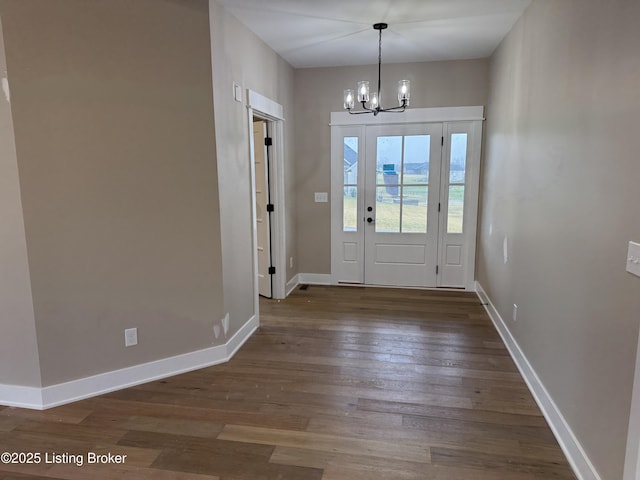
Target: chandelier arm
point(365, 109)
point(359, 112)
point(398, 109)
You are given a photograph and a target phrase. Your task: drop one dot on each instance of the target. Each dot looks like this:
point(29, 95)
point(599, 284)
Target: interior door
point(262, 215)
point(402, 190)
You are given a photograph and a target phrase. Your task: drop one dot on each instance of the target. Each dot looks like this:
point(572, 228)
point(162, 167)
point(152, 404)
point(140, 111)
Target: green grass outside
point(414, 211)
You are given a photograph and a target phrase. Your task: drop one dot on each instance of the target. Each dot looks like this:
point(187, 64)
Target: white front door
point(404, 202)
point(401, 194)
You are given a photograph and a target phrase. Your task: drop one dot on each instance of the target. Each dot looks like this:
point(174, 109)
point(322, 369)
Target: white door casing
point(259, 106)
point(360, 253)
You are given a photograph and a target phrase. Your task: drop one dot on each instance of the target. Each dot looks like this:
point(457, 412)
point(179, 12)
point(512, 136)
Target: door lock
point(370, 220)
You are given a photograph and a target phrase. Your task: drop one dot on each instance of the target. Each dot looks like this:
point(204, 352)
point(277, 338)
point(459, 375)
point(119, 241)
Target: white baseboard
point(314, 278)
point(578, 459)
point(241, 336)
point(292, 284)
point(68, 392)
point(23, 397)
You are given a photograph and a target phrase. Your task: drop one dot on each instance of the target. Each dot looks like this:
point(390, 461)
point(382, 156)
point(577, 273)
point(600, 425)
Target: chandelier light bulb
point(374, 100)
point(404, 91)
point(349, 99)
point(363, 91)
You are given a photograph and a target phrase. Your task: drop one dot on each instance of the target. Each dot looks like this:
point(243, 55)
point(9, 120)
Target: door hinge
point(437, 269)
point(268, 141)
point(270, 207)
point(441, 141)
point(272, 270)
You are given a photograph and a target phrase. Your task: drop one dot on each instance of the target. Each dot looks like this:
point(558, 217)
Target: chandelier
point(370, 101)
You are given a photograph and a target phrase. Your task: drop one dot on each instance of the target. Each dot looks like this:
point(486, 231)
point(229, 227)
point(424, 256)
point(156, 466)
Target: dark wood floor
point(337, 384)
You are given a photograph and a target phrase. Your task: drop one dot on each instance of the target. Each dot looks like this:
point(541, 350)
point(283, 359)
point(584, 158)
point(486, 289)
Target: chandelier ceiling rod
point(371, 103)
point(379, 27)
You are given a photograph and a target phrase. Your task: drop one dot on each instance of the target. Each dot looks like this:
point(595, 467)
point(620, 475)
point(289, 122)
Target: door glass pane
point(455, 209)
point(350, 160)
point(414, 209)
point(458, 157)
point(350, 209)
point(416, 159)
point(389, 160)
point(387, 210)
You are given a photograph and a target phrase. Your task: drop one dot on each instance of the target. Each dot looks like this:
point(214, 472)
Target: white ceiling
point(322, 33)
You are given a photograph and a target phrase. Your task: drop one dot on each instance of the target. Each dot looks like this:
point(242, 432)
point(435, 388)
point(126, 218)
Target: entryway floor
point(339, 383)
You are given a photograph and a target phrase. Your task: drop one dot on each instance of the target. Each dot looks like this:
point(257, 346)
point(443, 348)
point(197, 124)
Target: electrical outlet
point(130, 337)
point(225, 323)
point(515, 312)
point(633, 258)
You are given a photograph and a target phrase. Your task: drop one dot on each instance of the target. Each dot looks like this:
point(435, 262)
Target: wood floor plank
point(411, 436)
point(9, 423)
point(338, 383)
point(227, 459)
point(79, 433)
point(499, 418)
point(431, 472)
point(99, 472)
point(73, 413)
point(509, 465)
point(340, 467)
point(195, 428)
point(326, 443)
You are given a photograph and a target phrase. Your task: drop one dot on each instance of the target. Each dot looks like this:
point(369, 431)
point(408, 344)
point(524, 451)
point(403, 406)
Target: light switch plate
point(130, 337)
point(633, 258)
point(321, 197)
point(237, 92)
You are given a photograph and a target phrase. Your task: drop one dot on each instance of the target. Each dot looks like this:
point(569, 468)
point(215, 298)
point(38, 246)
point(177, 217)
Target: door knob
point(369, 220)
point(369, 209)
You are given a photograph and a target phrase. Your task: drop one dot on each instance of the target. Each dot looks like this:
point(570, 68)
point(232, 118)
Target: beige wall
point(19, 364)
point(560, 185)
point(319, 92)
point(113, 117)
point(240, 56)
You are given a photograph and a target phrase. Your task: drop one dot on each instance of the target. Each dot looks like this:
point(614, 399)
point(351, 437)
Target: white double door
point(404, 204)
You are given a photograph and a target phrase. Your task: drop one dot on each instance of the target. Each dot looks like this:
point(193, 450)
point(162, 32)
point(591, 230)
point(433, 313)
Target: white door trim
point(344, 124)
point(413, 115)
point(262, 107)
